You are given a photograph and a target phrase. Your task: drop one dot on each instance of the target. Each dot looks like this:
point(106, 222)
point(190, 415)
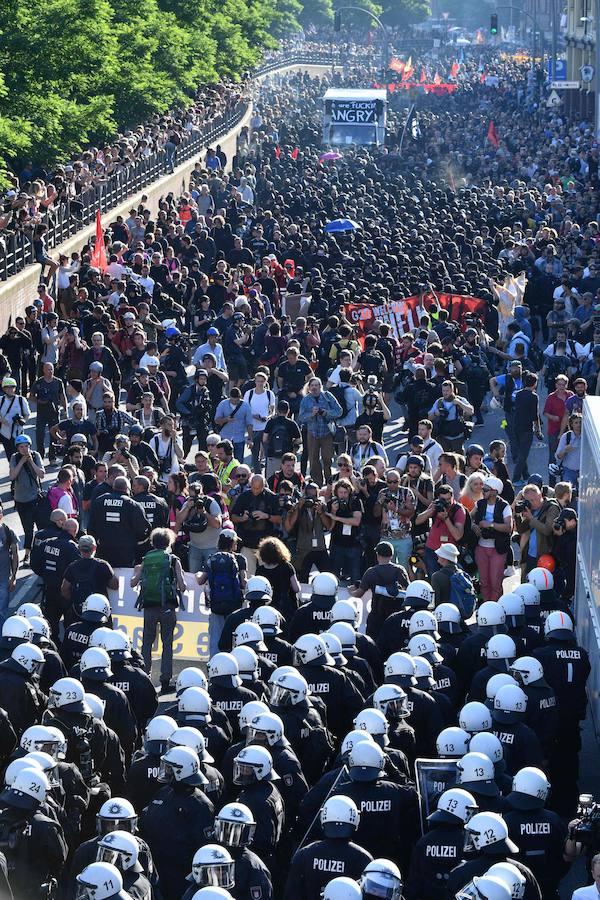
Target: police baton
point(343, 771)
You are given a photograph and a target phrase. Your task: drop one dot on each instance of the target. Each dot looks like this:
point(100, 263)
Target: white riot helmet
point(476, 774)
point(500, 650)
point(381, 878)
point(187, 736)
point(68, 694)
point(212, 893)
point(510, 704)
point(341, 888)
point(40, 631)
point(346, 635)
point(345, 611)
point(424, 673)
point(487, 743)
point(40, 738)
point(181, 765)
point(29, 609)
point(268, 619)
point(419, 594)
point(490, 615)
point(157, 734)
point(247, 661)
point(29, 657)
point(452, 743)
point(529, 593)
point(59, 748)
point(400, 667)
point(117, 645)
point(423, 645)
point(265, 729)
point(366, 761)
point(95, 664)
point(120, 849)
point(98, 636)
point(234, 825)
point(249, 710)
point(527, 670)
point(47, 764)
point(334, 648)
point(28, 789)
point(116, 814)
point(95, 608)
point(249, 633)
point(194, 705)
point(17, 766)
point(99, 881)
point(288, 688)
point(96, 704)
point(373, 721)
point(253, 764)
point(488, 887)
point(474, 717)
point(339, 817)
point(514, 608)
point(423, 622)
point(512, 877)
point(542, 579)
point(391, 700)
point(530, 789)
point(213, 866)
point(224, 666)
point(454, 806)
point(311, 648)
point(558, 625)
point(487, 829)
point(190, 677)
point(448, 618)
point(324, 585)
point(353, 737)
point(494, 684)
point(259, 588)
point(17, 628)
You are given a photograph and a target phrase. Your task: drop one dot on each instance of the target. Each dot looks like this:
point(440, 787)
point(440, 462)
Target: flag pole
point(408, 119)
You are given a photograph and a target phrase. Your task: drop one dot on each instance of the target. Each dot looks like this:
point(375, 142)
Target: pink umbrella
point(330, 156)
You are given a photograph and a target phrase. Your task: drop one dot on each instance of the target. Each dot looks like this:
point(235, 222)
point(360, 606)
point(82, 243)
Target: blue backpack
point(224, 581)
point(462, 593)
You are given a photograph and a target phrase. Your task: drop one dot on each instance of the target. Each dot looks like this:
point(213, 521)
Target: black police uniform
point(119, 525)
point(142, 783)
point(314, 866)
point(35, 850)
point(87, 852)
point(425, 715)
point(53, 668)
point(242, 614)
point(402, 737)
point(433, 857)
point(20, 696)
point(278, 651)
point(136, 885)
point(520, 745)
point(464, 873)
point(309, 737)
point(542, 714)
point(540, 835)
point(471, 656)
point(217, 739)
point(477, 690)
point(184, 813)
point(76, 641)
point(7, 645)
point(156, 511)
point(312, 618)
point(138, 688)
point(251, 876)
point(526, 639)
point(50, 559)
point(394, 633)
point(117, 713)
point(342, 699)
point(266, 804)
point(8, 737)
point(230, 700)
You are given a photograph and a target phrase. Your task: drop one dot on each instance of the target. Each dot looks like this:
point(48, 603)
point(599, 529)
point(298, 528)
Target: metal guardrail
point(70, 217)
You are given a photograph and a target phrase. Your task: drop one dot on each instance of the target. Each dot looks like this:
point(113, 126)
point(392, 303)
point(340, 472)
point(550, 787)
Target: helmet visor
point(166, 772)
point(55, 749)
point(217, 875)
point(468, 892)
point(262, 738)
point(85, 891)
point(106, 825)
point(282, 696)
point(113, 856)
point(234, 834)
point(394, 708)
point(243, 773)
point(379, 884)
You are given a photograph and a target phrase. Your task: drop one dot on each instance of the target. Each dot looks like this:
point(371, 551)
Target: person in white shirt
point(431, 449)
point(262, 404)
point(345, 361)
point(168, 449)
point(213, 346)
point(592, 891)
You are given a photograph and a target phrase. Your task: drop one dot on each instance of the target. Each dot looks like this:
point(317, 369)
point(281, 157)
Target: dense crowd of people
point(210, 414)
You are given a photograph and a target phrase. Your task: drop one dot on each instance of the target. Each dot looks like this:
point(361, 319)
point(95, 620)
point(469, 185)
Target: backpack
point(556, 365)
point(42, 510)
point(158, 584)
point(224, 582)
point(82, 589)
point(339, 393)
point(462, 593)
point(372, 363)
point(279, 441)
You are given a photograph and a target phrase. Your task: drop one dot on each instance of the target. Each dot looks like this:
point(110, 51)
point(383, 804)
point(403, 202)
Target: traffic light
point(494, 24)
point(337, 20)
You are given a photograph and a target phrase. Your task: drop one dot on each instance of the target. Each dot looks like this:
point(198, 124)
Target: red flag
point(98, 257)
point(454, 70)
point(277, 151)
point(423, 78)
point(396, 65)
point(294, 153)
point(492, 135)
point(437, 78)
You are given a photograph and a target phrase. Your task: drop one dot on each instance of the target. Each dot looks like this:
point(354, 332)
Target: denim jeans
point(4, 598)
point(239, 450)
point(165, 618)
point(215, 628)
point(256, 445)
point(570, 475)
point(199, 557)
point(403, 548)
point(345, 559)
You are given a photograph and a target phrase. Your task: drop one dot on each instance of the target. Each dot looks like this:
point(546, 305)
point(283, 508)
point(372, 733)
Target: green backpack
point(158, 582)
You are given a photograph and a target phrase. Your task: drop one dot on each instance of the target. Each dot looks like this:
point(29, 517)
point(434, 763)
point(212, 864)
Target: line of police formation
point(419, 757)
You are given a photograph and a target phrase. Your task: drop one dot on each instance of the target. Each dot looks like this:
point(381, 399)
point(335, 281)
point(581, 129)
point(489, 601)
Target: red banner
point(429, 88)
point(403, 315)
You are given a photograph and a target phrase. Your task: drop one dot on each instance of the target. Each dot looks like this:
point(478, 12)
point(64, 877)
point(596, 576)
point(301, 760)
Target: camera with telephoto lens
point(440, 505)
point(442, 412)
point(560, 521)
point(522, 505)
point(586, 828)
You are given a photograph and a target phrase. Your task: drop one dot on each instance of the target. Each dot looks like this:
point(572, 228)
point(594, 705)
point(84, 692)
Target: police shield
point(434, 776)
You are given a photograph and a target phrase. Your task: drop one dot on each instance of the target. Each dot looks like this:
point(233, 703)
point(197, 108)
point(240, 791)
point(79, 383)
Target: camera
point(586, 829)
point(522, 505)
point(286, 501)
point(440, 505)
point(310, 502)
point(373, 382)
point(442, 412)
point(19, 420)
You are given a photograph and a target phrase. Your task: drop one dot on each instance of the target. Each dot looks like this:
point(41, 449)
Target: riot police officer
point(419, 595)
point(500, 652)
point(259, 592)
point(50, 559)
point(521, 745)
point(212, 866)
point(95, 612)
point(525, 637)
point(119, 524)
point(278, 651)
point(339, 695)
point(15, 630)
point(424, 714)
point(20, 694)
point(250, 634)
point(254, 776)
point(471, 655)
point(392, 701)
point(452, 630)
point(142, 776)
point(53, 667)
point(542, 704)
point(96, 673)
point(133, 681)
point(225, 688)
point(476, 774)
point(315, 616)
point(101, 880)
point(348, 638)
point(186, 736)
point(312, 866)
point(155, 508)
point(348, 611)
point(122, 850)
point(234, 828)
point(194, 707)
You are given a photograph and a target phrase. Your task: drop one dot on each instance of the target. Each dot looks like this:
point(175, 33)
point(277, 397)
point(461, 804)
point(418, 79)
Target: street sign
point(564, 85)
point(587, 74)
point(553, 100)
point(560, 73)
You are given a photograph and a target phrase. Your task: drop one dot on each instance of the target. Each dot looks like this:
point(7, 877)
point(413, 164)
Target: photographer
point(200, 518)
point(122, 456)
point(445, 519)
point(26, 473)
point(309, 520)
point(475, 369)
point(448, 415)
point(492, 526)
point(396, 506)
point(344, 512)
point(375, 412)
point(14, 413)
point(255, 514)
point(369, 486)
point(568, 451)
point(421, 484)
point(535, 517)
point(168, 449)
point(565, 553)
point(196, 409)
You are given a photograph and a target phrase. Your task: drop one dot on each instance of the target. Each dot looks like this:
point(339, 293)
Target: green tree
point(317, 13)
point(400, 13)
point(15, 136)
point(286, 17)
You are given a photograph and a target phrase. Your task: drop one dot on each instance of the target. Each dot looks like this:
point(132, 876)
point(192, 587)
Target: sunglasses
point(343, 466)
point(392, 480)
